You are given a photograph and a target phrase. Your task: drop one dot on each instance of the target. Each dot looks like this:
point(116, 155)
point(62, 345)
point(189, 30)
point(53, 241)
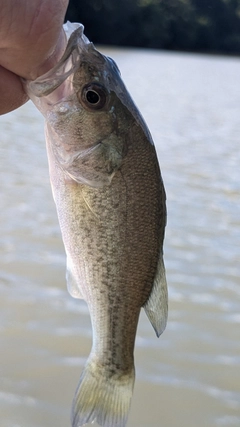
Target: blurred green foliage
point(193, 25)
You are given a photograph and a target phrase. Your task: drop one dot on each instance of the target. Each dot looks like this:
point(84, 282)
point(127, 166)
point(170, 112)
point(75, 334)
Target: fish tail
point(102, 397)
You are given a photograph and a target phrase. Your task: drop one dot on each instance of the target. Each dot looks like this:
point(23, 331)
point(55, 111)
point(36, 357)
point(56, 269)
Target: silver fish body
point(110, 200)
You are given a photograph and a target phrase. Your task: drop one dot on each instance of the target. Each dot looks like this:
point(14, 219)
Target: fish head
point(88, 112)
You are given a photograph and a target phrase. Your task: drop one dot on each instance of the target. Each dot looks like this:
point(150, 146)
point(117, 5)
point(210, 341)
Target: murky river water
point(191, 375)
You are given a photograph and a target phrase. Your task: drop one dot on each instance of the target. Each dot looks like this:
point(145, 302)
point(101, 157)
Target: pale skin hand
point(31, 42)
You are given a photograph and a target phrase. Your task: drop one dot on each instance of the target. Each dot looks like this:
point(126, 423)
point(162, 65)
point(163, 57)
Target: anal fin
point(72, 284)
point(156, 307)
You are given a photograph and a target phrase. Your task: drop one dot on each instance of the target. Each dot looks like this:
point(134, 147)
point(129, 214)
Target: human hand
point(31, 42)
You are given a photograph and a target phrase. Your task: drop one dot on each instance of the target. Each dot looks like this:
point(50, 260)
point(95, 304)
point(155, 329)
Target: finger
point(12, 93)
point(33, 40)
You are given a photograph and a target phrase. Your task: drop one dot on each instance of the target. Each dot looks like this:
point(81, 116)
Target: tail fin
point(102, 398)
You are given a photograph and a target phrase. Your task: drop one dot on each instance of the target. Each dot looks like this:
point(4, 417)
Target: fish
point(111, 205)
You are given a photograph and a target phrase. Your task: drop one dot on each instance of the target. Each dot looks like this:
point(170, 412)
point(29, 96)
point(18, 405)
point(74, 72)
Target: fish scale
point(110, 200)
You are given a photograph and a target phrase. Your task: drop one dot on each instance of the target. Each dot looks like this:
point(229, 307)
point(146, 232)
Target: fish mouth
point(68, 64)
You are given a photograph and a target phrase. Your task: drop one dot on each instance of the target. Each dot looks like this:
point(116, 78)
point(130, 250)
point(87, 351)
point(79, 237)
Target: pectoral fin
point(96, 165)
point(156, 307)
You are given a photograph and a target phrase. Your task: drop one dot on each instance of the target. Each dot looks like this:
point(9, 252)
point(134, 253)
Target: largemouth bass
point(110, 201)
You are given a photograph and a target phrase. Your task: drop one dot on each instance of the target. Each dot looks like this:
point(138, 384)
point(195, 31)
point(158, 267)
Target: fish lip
point(48, 82)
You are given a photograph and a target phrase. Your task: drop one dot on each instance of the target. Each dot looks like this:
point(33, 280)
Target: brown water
point(191, 375)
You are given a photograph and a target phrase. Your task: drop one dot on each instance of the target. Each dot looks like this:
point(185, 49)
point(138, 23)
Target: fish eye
point(94, 96)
